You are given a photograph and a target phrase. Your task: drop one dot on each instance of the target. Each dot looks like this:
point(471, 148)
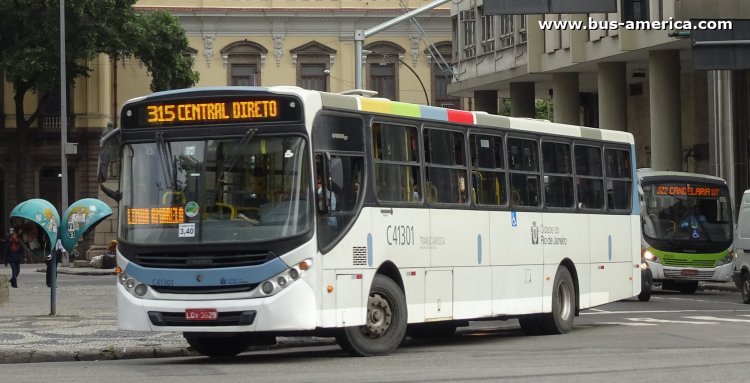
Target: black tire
point(217, 345)
point(745, 286)
point(647, 282)
point(432, 330)
point(689, 287)
point(531, 324)
point(560, 320)
point(386, 321)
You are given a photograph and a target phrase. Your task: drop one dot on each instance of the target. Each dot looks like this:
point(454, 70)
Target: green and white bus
point(247, 213)
point(687, 228)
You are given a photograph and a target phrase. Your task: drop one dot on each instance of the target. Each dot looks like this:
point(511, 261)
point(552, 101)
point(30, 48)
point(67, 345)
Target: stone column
point(566, 98)
point(664, 96)
point(613, 96)
point(486, 101)
point(522, 98)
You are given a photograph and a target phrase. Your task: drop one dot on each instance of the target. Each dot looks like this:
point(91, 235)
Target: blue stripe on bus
point(206, 277)
point(479, 249)
point(609, 246)
point(433, 113)
point(369, 249)
point(636, 200)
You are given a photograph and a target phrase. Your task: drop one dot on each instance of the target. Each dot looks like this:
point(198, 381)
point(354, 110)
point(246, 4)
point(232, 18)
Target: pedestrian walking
point(14, 252)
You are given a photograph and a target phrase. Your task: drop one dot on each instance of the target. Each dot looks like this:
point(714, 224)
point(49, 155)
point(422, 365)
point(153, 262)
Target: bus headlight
point(729, 258)
point(134, 286)
point(648, 255)
point(282, 280)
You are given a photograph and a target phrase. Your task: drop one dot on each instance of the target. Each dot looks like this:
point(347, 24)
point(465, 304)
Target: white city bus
point(246, 213)
point(687, 227)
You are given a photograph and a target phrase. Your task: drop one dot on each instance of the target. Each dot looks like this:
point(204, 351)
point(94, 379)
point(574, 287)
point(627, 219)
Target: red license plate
point(689, 272)
point(201, 314)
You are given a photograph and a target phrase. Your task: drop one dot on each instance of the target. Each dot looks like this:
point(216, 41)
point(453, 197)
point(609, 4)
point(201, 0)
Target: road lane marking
point(632, 324)
point(662, 311)
point(721, 319)
point(654, 320)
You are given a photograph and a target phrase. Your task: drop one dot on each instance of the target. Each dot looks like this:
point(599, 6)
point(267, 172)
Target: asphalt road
point(673, 338)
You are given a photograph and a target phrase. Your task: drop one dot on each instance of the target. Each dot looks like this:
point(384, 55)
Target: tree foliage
point(30, 50)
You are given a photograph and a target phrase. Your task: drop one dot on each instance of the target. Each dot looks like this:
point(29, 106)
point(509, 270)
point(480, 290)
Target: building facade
point(308, 43)
point(622, 71)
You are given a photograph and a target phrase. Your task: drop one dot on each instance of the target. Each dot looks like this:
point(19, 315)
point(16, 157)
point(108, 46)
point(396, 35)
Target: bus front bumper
point(721, 273)
point(292, 309)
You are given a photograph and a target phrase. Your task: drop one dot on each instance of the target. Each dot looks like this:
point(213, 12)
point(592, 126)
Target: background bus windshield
point(687, 213)
point(227, 190)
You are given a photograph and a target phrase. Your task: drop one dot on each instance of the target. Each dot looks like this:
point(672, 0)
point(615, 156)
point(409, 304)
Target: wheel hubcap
point(379, 316)
point(563, 300)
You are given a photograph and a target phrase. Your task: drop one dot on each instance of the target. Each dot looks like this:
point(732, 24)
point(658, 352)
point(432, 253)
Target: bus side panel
point(611, 247)
point(465, 248)
point(398, 235)
point(561, 237)
point(516, 257)
point(350, 255)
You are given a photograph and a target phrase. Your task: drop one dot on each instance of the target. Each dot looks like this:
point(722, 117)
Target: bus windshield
point(243, 189)
point(687, 213)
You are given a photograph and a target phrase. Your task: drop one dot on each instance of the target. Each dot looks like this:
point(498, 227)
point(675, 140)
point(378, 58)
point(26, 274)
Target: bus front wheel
point(560, 320)
point(386, 321)
point(217, 345)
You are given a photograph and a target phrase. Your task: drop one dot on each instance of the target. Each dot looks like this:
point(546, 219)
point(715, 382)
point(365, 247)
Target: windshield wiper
point(165, 159)
point(246, 139)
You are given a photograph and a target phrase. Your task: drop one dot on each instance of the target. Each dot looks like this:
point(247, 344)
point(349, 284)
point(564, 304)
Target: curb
point(122, 353)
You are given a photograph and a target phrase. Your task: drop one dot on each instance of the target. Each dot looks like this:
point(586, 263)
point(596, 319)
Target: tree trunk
point(21, 149)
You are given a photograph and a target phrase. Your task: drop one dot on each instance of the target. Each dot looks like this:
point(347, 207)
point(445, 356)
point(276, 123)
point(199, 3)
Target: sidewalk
point(85, 326)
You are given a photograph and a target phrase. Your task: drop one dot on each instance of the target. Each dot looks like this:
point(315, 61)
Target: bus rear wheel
point(216, 345)
point(386, 321)
point(745, 287)
point(560, 320)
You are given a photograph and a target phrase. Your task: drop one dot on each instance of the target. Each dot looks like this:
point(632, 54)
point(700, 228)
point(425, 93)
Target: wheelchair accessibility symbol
point(696, 234)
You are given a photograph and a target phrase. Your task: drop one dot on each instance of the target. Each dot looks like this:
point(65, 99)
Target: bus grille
point(228, 289)
point(191, 260)
point(697, 263)
point(701, 275)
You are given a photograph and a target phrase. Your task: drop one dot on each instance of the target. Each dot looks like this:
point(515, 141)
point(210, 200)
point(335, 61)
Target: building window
point(522, 30)
point(50, 187)
point(49, 111)
point(506, 31)
point(244, 60)
point(311, 61)
point(488, 32)
point(243, 75)
point(313, 77)
point(383, 64)
point(442, 75)
point(635, 10)
point(468, 21)
point(383, 80)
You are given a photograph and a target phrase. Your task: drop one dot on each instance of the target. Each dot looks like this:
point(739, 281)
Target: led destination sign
point(220, 110)
point(215, 111)
point(688, 191)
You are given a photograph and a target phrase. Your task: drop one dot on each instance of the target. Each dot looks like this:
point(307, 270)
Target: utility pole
point(361, 35)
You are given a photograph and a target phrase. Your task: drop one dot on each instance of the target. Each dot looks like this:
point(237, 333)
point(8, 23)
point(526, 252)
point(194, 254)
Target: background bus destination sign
point(688, 191)
point(221, 110)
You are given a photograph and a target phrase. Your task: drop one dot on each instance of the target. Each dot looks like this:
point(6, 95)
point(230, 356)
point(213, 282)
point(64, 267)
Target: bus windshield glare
point(687, 212)
point(243, 189)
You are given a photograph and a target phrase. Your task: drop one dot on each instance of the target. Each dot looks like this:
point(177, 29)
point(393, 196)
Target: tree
point(30, 51)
